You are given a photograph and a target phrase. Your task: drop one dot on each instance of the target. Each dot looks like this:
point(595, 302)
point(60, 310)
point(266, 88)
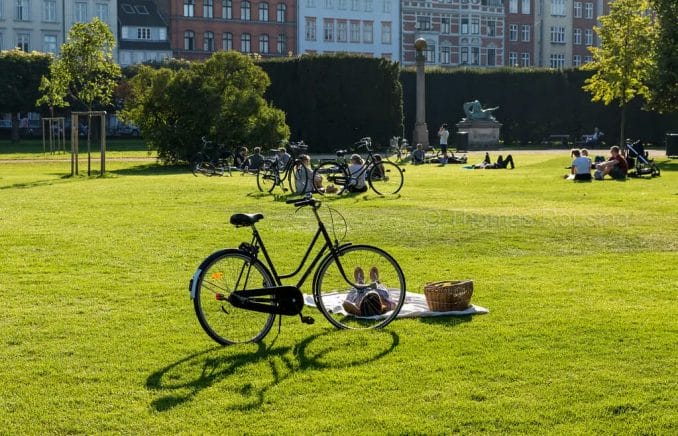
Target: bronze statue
point(474, 111)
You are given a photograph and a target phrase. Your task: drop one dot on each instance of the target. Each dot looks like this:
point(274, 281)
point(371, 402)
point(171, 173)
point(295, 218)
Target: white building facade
point(368, 27)
point(42, 25)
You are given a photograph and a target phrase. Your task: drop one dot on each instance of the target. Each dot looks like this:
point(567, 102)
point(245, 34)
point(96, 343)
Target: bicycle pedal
point(307, 320)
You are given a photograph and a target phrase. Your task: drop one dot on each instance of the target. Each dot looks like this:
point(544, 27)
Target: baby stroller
point(639, 162)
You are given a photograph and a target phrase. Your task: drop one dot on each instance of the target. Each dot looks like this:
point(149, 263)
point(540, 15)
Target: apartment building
point(143, 35)
point(42, 25)
point(457, 32)
point(200, 27)
point(519, 35)
point(369, 27)
point(564, 30)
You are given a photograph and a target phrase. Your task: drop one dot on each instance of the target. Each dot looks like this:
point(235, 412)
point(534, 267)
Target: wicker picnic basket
point(448, 295)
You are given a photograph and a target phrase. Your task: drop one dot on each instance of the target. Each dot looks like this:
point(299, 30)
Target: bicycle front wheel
point(267, 177)
point(385, 178)
point(333, 176)
point(297, 179)
point(220, 274)
point(361, 268)
point(202, 167)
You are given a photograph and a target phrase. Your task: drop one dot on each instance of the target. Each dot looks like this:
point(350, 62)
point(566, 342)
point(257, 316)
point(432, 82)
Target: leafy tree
point(664, 78)
point(221, 98)
point(21, 73)
point(623, 62)
point(85, 72)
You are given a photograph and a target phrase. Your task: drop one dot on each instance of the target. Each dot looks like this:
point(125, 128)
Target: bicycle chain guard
point(280, 300)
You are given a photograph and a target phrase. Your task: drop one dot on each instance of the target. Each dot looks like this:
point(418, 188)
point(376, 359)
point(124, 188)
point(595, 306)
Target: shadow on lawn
point(238, 369)
point(668, 165)
point(151, 169)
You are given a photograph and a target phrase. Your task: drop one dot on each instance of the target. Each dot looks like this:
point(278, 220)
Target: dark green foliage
point(533, 103)
point(332, 101)
point(664, 78)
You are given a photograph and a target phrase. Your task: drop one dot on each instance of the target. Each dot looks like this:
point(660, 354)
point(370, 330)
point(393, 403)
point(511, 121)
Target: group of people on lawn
point(615, 166)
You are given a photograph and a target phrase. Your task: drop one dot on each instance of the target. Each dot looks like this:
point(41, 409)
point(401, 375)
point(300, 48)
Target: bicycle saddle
point(245, 219)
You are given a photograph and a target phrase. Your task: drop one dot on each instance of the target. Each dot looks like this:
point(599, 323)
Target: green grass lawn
point(99, 333)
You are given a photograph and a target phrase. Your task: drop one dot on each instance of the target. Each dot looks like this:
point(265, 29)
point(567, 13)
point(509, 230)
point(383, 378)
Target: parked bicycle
point(383, 176)
point(237, 292)
point(212, 161)
point(399, 149)
point(275, 172)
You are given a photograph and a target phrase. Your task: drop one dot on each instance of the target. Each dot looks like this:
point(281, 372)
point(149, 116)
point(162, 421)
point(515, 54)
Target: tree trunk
point(622, 139)
point(15, 127)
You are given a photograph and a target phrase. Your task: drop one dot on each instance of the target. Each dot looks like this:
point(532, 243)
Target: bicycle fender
point(193, 284)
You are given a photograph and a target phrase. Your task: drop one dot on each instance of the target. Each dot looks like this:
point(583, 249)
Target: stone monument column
point(420, 134)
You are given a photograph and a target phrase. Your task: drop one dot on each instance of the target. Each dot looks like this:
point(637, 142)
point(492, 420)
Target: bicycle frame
point(328, 248)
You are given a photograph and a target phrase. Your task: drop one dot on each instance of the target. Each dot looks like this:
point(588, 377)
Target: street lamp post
point(420, 135)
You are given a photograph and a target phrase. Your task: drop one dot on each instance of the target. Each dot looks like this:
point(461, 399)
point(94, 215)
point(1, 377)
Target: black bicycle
point(274, 172)
point(383, 176)
point(237, 292)
point(212, 161)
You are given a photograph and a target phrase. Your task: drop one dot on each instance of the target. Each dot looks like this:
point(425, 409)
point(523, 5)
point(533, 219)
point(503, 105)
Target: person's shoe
point(374, 274)
point(359, 275)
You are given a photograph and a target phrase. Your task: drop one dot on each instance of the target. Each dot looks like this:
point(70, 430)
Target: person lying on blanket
point(370, 300)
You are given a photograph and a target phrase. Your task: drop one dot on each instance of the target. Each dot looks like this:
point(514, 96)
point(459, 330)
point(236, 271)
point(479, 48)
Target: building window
point(557, 60)
point(423, 22)
point(386, 33)
point(49, 44)
point(513, 59)
point(526, 31)
point(445, 25)
point(328, 4)
point(475, 55)
point(355, 31)
point(263, 12)
point(48, 11)
point(525, 59)
point(23, 42)
point(588, 10)
point(576, 60)
point(227, 41)
point(557, 35)
point(310, 29)
point(328, 30)
point(23, 11)
point(368, 5)
point(281, 14)
point(491, 57)
point(368, 34)
point(387, 6)
point(557, 7)
point(525, 7)
point(576, 37)
point(577, 9)
point(491, 27)
point(208, 9)
point(464, 25)
point(282, 43)
point(588, 37)
point(513, 6)
point(588, 59)
point(80, 12)
point(246, 43)
point(310, 3)
point(245, 11)
point(475, 25)
point(342, 31)
point(263, 43)
point(189, 40)
point(227, 9)
point(464, 56)
point(189, 8)
point(102, 11)
point(355, 5)
point(445, 57)
point(208, 41)
point(430, 52)
point(513, 32)
point(143, 33)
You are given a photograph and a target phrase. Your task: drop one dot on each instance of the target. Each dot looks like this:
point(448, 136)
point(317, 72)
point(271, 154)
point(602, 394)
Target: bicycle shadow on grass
point(151, 169)
point(248, 372)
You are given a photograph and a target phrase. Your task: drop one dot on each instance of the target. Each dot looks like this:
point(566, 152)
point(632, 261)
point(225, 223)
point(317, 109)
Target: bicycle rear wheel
point(202, 167)
point(337, 276)
point(220, 274)
point(297, 179)
point(385, 178)
point(334, 176)
point(267, 177)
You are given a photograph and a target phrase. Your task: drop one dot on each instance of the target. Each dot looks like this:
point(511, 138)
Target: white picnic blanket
point(414, 306)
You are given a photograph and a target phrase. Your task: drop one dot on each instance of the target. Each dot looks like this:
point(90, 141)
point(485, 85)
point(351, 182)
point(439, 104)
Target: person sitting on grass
point(255, 160)
point(357, 173)
point(616, 166)
point(581, 167)
point(418, 155)
point(240, 159)
point(305, 182)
